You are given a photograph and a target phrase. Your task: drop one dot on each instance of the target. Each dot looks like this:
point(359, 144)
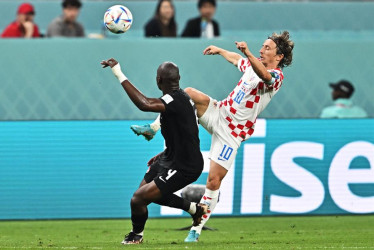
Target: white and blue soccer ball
point(118, 19)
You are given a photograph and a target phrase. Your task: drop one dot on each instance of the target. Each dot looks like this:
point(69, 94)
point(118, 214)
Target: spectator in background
point(343, 106)
point(66, 25)
point(163, 23)
point(203, 26)
point(23, 26)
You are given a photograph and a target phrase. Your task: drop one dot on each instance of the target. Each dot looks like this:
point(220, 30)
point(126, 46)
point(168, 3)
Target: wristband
point(118, 73)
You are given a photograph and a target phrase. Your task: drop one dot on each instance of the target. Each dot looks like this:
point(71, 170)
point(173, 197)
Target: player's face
point(268, 53)
point(26, 17)
point(166, 10)
point(71, 13)
point(207, 11)
point(335, 94)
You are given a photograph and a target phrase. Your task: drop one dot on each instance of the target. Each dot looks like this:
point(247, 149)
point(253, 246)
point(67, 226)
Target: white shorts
point(224, 147)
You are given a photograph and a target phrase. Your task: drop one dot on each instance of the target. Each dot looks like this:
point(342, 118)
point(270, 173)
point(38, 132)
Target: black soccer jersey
point(180, 130)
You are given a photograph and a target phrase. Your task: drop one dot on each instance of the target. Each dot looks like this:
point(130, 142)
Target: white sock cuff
point(142, 233)
point(155, 126)
point(192, 209)
point(211, 193)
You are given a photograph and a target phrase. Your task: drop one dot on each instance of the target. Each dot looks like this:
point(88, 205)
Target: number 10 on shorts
point(226, 152)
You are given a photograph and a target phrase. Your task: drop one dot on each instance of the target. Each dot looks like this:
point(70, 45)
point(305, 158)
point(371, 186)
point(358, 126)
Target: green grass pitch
point(293, 232)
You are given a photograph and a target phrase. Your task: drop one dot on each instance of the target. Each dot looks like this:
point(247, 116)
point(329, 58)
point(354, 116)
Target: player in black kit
point(180, 164)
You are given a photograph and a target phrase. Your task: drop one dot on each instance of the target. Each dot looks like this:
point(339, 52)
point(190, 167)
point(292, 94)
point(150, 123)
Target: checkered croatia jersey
point(249, 99)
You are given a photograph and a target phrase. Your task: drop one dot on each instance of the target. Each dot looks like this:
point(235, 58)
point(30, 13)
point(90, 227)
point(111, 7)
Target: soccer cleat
point(201, 209)
point(144, 130)
point(192, 236)
point(132, 238)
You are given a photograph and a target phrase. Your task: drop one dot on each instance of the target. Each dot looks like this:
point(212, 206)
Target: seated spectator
point(23, 26)
point(203, 26)
point(163, 23)
point(66, 25)
point(343, 107)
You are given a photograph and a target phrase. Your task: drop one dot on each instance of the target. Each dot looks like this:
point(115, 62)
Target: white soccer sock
point(192, 209)
point(155, 126)
point(209, 198)
point(142, 233)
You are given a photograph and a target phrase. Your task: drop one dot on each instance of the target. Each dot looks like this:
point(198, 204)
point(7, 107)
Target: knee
point(136, 200)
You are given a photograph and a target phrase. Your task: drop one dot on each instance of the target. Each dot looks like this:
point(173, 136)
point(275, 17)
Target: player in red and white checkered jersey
point(233, 119)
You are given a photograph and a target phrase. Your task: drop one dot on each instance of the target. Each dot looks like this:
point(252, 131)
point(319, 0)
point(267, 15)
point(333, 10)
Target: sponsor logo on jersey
point(162, 179)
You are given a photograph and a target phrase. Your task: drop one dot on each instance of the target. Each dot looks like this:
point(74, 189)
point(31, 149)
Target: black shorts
point(169, 180)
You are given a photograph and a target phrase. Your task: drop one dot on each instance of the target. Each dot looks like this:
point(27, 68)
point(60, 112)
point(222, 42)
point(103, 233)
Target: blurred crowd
point(65, 25)
point(162, 24)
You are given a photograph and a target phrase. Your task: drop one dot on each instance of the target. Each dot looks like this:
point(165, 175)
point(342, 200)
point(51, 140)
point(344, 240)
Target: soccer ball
point(118, 19)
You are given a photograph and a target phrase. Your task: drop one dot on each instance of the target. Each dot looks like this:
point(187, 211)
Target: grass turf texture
point(299, 232)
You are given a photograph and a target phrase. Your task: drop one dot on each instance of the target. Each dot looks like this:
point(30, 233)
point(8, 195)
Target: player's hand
point(211, 50)
point(110, 62)
point(153, 160)
point(29, 28)
point(243, 47)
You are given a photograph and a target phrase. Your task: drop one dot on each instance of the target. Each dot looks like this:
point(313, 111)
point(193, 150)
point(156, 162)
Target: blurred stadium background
point(66, 150)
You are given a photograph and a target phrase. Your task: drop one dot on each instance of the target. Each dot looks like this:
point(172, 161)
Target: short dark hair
point(201, 2)
point(71, 3)
point(284, 46)
point(168, 72)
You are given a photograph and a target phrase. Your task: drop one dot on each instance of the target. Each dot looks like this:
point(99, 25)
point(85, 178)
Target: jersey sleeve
point(171, 105)
point(276, 78)
point(243, 64)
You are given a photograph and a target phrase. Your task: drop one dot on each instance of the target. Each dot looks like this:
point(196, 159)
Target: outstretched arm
point(257, 66)
point(232, 57)
point(141, 101)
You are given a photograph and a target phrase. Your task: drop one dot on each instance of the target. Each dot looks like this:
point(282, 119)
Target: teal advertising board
point(90, 169)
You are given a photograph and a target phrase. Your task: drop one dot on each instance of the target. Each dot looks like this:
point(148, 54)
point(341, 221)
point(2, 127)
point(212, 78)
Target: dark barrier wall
point(88, 169)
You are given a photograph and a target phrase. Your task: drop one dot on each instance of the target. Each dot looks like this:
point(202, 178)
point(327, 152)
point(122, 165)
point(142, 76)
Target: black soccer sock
point(138, 222)
point(174, 201)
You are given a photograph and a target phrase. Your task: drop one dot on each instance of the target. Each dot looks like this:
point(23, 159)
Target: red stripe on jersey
point(232, 126)
point(234, 134)
point(249, 124)
point(276, 84)
point(250, 131)
point(242, 134)
point(229, 119)
point(239, 82)
point(249, 104)
point(231, 102)
point(260, 85)
point(240, 126)
point(257, 98)
point(225, 103)
point(253, 92)
point(232, 110)
point(232, 93)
